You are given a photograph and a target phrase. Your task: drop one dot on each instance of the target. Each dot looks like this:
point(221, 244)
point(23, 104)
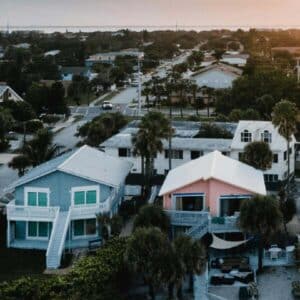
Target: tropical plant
point(40, 149)
point(192, 256)
point(261, 216)
point(285, 115)
point(152, 215)
point(153, 128)
point(258, 155)
point(149, 253)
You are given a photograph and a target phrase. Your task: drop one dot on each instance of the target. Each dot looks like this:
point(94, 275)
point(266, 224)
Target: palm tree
point(152, 215)
point(147, 92)
point(40, 149)
point(149, 253)
point(153, 128)
point(261, 216)
point(258, 155)
point(192, 256)
point(285, 115)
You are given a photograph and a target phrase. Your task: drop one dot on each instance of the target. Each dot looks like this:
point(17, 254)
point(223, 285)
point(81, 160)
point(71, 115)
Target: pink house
point(213, 183)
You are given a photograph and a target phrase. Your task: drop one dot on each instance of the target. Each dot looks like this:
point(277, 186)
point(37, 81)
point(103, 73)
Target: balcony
point(88, 211)
point(187, 218)
point(196, 218)
point(224, 224)
point(26, 213)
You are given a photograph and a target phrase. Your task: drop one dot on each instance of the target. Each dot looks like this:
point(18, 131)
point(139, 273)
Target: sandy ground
point(275, 283)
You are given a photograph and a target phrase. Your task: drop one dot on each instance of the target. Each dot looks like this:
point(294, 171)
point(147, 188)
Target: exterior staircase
point(198, 231)
point(57, 239)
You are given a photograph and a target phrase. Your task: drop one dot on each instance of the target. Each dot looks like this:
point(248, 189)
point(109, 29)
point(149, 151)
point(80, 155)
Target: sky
point(254, 13)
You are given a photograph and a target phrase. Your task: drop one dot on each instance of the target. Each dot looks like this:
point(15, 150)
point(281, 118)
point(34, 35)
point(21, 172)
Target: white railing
point(87, 211)
point(21, 212)
point(62, 241)
point(224, 224)
point(187, 218)
point(52, 236)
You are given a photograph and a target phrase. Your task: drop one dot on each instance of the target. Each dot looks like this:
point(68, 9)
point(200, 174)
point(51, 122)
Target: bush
point(33, 126)
point(50, 119)
point(208, 130)
point(4, 145)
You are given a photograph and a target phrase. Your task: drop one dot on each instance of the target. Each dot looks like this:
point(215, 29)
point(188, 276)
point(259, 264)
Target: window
point(266, 137)
point(39, 229)
point(37, 196)
point(275, 158)
point(175, 154)
point(271, 177)
point(285, 155)
point(190, 202)
point(84, 227)
point(246, 136)
point(124, 152)
point(196, 154)
point(85, 195)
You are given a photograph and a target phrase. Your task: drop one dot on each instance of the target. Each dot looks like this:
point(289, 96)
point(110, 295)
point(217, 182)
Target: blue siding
point(60, 185)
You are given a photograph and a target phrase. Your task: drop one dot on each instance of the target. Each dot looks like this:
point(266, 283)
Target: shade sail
point(223, 244)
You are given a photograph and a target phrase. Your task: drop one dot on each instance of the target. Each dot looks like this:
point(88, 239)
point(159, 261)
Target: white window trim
point(233, 195)
point(85, 189)
point(187, 195)
point(36, 190)
point(36, 238)
point(84, 236)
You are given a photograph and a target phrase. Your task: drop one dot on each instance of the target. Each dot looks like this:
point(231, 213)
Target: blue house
point(56, 204)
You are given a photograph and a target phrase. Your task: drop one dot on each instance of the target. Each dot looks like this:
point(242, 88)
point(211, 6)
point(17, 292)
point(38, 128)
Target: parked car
point(106, 105)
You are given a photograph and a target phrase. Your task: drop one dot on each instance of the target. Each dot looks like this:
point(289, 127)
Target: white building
point(8, 94)
point(186, 147)
point(217, 76)
point(250, 131)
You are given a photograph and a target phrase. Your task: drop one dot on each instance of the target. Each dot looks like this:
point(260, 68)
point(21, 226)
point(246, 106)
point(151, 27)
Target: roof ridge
point(213, 164)
point(71, 157)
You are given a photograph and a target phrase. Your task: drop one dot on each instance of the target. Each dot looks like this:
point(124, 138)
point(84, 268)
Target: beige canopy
point(223, 244)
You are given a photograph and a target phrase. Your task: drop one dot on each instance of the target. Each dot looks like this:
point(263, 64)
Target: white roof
point(4, 88)
point(217, 166)
point(256, 128)
point(96, 165)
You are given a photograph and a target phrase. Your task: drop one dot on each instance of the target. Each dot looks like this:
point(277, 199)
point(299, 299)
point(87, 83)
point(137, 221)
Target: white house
point(217, 76)
point(250, 131)
point(8, 94)
point(186, 147)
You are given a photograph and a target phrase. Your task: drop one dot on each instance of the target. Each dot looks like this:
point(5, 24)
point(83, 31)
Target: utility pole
point(139, 88)
point(298, 69)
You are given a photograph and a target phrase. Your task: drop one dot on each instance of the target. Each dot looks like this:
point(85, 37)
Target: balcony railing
point(89, 211)
point(224, 224)
point(196, 218)
point(37, 213)
point(187, 218)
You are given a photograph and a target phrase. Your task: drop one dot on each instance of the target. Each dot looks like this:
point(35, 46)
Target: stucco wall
point(212, 189)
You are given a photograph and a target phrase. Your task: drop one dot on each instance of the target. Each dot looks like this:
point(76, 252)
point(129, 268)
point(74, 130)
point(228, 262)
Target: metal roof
point(85, 162)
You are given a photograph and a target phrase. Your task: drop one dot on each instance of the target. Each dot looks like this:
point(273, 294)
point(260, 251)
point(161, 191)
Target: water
point(76, 28)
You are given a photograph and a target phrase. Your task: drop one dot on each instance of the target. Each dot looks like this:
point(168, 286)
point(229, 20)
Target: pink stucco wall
point(212, 189)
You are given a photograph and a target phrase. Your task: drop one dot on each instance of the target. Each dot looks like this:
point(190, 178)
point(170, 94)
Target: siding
point(60, 185)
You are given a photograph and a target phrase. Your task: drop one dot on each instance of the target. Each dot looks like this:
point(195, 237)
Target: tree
point(101, 128)
point(39, 150)
point(191, 255)
point(152, 216)
point(57, 103)
point(258, 155)
point(211, 130)
point(149, 253)
point(261, 216)
point(153, 128)
point(285, 115)
point(6, 122)
point(218, 54)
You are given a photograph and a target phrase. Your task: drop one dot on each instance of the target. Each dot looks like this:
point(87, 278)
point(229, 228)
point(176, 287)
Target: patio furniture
point(95, 244)
point(274, 252)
